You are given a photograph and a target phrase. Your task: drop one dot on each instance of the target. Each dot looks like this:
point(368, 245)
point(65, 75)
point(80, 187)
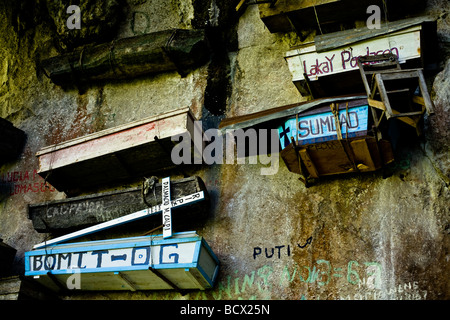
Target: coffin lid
point(108, 131)
point(339, 39)
point(253, 119)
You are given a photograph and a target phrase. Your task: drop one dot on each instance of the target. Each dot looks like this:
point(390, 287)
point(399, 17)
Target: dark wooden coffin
point(20, 288)
point(295, 15)
point(134, 150)
point(7, 255)
point(12, 141)
point(80, 212)
point(169, 50)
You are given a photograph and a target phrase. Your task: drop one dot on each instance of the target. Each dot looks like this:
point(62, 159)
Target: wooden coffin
point(329, 66)
point(7, 255)
point(140, 263)
point(83, 211)
point(133, 150)
point(295, 15)
point(19, 288)
point(12, 141)
point(309, 141)
point(320, 142)
point(169, 50)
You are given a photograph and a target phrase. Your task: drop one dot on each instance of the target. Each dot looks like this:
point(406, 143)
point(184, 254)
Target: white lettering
point(74, 21)
point(374, 21)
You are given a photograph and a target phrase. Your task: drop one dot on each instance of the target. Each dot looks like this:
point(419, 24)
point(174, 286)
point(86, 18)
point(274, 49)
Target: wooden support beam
point(309, 163)
point(426, 97)
point(125, 280)
point(384, 96)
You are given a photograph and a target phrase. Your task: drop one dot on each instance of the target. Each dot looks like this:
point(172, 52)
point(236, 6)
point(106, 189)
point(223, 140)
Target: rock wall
point(346, 237)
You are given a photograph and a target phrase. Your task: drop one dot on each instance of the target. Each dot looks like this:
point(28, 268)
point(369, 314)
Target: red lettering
point(345, 59)
point(30, 188)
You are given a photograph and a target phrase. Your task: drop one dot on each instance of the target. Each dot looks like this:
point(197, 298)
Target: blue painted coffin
point(321, 127)
point(184, 261)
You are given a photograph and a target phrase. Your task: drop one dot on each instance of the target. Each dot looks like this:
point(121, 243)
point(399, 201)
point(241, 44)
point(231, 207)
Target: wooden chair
point(394, 90)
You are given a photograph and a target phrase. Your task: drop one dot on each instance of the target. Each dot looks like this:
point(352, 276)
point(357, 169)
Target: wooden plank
point(309, 14)
point(309, 164)
point(330, 158)
point(250, 120)
point(384, 96)
point(331, 41)
point(363, 158)
point(399, 74)
point(323, 126)
point(198, 196)
point(377, 104)
point(79, 212)
point(404, 44)
point(111, 156)
point(418, 100)
point(290, 158)
point(426, 96)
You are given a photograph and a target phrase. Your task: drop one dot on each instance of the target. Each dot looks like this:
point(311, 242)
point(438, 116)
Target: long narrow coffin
point(168, 50)
point(12, 141)
point(133, 150)
point(329, 66)
point(83, 211)
point(290, 15)
point(182, 262)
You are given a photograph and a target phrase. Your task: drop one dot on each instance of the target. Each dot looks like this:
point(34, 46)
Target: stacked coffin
point(179, 261)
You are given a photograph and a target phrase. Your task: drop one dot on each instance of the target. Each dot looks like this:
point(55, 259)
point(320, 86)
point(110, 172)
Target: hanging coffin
point(329, 66)
point(12, 141)
point(128, 151)
point(290, 15)
point(182, 262)
point(333, 139)
point(83, 211)
point(323, 136)
point(170, 50)
point(7, 255)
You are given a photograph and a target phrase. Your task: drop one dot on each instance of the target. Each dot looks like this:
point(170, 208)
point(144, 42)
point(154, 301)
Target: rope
point(317, 19)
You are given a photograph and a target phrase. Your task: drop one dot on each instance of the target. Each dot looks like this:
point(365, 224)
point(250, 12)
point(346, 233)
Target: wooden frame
point(385, 68)
point(114, 155)
point(140, 263)
point(80, 212)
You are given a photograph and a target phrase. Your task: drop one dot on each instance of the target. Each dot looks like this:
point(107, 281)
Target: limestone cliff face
point(346, 237)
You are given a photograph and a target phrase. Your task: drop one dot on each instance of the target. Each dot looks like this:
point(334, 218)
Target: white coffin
point(131, 150)
point(405, 44)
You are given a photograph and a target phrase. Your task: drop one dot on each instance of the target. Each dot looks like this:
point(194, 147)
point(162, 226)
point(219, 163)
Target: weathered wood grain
point(169, 50)
point(129, 151)
point(80, 212)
